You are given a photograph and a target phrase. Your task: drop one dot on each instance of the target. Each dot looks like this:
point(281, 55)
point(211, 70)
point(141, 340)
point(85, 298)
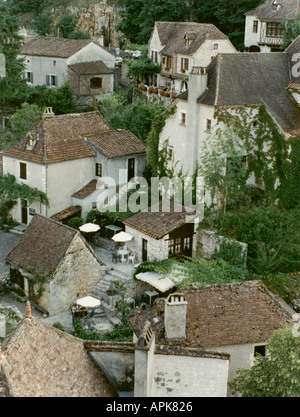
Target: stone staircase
point(100, 290)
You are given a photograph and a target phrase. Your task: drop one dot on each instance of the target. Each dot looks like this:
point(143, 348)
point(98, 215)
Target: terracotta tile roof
point(172, 35)
point(68, 212)
point(223, 315)
point(117, 143)
point(253, 79)
point(87, 190)
point(53, 47)
point(90, 68)
point(158, 220)
point(59, 138)
point(39, 360)
point(42, 246)
point(265, 11)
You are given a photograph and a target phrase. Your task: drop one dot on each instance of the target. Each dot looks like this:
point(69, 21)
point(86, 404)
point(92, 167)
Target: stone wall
point(208, 242)
point(188, 376)
point(75, 277)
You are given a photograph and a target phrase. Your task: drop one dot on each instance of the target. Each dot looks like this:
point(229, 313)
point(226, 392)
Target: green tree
point(143, 69)
point(10, 191)
point(43, 24)
point(291, 30)
point(278, 373)
point(20, 122)
point(66, 26)
point(12, 87)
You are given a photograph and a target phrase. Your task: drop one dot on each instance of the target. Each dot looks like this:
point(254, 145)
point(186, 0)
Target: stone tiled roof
point(173, 34)
point(253, 79)
point(222, 315)
point(39, 360)
point(66, 213)
point(117, 143)
point(265, 11)
point(53, 47)
point(42, 246)
point(87, 190)
point(91, 68)
point(59, 138)
point(158, 220)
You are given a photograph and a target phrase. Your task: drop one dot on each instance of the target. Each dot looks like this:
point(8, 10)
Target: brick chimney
point(175, 317)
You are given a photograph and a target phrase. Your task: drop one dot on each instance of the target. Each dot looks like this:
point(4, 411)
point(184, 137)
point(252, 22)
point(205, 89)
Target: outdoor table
point(151, 293)
point(113, 227)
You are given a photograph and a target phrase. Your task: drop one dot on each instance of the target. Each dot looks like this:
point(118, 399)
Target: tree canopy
point(278, 373)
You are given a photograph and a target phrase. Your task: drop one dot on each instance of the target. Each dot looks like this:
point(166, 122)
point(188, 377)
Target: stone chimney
point(48, 112)
point(198, 79)
point(144, 356)
point(175, 317)
point(197, 82)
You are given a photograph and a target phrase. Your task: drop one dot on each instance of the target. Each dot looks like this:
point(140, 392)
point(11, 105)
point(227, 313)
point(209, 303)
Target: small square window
point(94, 205)
point(98, 170)
point(96, 82)
point(170, 154)
point(183, 119)
point(208, 125)
point(260, 350)
point(54, 63)
point(216, 46)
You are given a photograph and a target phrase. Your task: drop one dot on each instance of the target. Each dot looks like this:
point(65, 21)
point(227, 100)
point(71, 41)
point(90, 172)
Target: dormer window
point(276, 5)
point(31, 141)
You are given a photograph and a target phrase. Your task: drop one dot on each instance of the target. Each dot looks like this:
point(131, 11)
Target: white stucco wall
point(40, 66)
point(251, 38)
point(187, 376)
point(64, 179)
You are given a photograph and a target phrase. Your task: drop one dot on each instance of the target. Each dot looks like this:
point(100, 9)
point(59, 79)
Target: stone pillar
point(144, 355)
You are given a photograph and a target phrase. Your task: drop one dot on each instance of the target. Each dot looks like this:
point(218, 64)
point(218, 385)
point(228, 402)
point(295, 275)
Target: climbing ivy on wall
point(265, 145)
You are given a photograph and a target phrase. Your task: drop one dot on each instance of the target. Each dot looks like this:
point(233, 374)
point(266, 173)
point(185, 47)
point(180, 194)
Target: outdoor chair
point(131, 258)
point(115, 257)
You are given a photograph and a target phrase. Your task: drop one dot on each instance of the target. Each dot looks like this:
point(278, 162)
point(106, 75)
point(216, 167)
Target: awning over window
point(158, 281)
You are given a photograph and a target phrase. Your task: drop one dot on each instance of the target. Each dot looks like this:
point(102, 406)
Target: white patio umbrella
point(88, 302)
point(89, 227)
point(122, 237)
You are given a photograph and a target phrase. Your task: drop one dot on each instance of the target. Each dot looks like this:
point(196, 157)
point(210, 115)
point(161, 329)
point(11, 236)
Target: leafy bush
point(76, 222)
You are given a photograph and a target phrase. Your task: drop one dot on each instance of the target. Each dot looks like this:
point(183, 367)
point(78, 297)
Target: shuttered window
point(23, 171)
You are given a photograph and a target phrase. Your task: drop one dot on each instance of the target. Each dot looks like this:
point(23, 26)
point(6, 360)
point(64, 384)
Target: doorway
point(144, 250)
point(130, 169)
point(24, 212)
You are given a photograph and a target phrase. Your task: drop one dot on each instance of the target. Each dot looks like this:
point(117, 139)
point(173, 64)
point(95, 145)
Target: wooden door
point(130, 169)
point(144, 250)
point(24, 212)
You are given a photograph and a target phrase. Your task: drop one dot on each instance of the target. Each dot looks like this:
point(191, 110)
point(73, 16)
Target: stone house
point(231, 83)
point(198, 337)
point(62, 154)
point(54, 265)
point(38, 360)
point(263, 27)
point(162, 231)
point(178, 46)
point(51, 61)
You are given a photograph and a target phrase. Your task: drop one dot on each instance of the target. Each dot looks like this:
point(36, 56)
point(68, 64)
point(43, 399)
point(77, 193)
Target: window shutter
point(31, 77)
point(48, 79)
point(56, 81)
